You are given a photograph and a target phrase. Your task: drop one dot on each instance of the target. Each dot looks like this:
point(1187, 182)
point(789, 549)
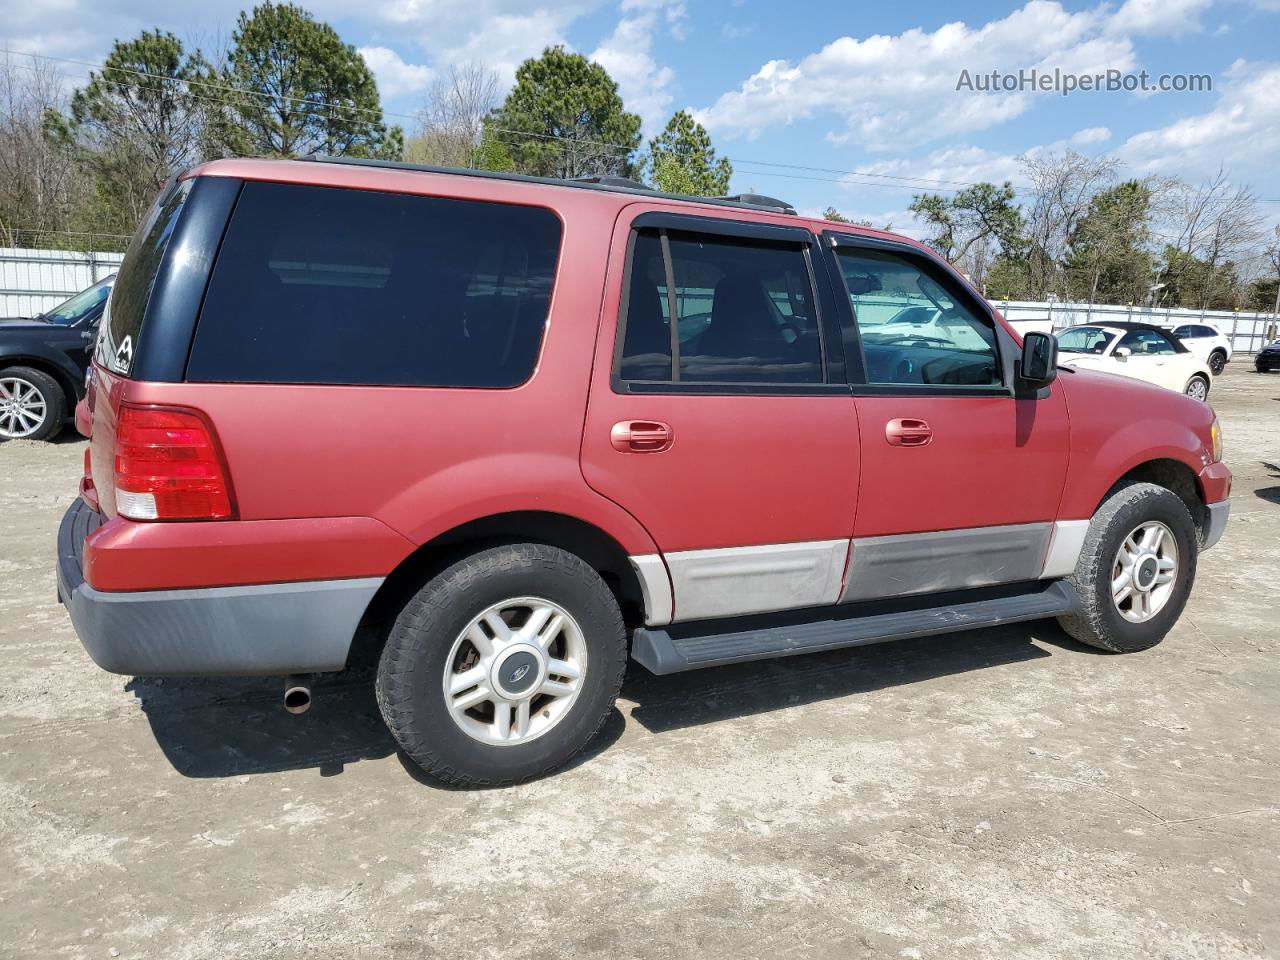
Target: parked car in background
point(1268, 358)
point(1207, 342)
point(1138, 350)
point(43, 362)
point(542, 470)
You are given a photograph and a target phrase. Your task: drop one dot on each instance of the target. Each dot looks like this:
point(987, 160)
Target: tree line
point(1085, 233)
point(80, 170)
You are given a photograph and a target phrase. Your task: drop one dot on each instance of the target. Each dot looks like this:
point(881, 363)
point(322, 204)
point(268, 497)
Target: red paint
point(339, 481)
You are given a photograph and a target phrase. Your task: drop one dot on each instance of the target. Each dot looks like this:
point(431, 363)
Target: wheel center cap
point(1145, 574)
point(517, 672)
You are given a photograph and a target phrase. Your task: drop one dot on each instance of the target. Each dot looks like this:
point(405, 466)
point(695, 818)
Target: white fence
point(1248, 331)
point(32, 281)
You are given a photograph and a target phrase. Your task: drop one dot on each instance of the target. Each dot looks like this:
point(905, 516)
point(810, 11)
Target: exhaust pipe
point(297, 696)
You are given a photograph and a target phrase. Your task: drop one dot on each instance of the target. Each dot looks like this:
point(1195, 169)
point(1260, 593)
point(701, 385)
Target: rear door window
point(744, 312)
point(1144, 343)
point(322, 285)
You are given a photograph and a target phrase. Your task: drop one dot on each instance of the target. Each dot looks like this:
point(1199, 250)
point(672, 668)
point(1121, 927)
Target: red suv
point(527, 428)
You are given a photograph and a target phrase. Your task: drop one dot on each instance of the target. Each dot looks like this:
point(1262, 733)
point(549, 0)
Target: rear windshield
point(322, 285)
point(127, 305)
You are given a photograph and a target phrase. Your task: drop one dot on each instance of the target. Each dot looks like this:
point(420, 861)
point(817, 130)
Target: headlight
point(1215, 432)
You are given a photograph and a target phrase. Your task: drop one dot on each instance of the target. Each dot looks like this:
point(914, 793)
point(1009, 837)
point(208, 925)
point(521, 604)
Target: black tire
point(411, 669)
point(1217, 362)
point(1099, 623)
point(55, 409)
point(1198, 378)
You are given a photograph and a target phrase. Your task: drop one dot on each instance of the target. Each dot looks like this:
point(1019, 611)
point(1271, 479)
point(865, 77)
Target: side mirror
point(1039, 364)
point(1122, 353)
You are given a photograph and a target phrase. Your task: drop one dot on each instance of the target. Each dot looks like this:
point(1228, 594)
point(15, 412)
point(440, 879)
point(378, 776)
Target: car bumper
point(263, 629)
point(1215, 525)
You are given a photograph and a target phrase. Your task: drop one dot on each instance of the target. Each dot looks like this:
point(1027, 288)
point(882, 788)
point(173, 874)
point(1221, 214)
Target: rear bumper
point(254, 630)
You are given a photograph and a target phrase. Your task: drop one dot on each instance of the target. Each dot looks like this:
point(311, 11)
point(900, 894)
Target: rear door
point(961, 478)
point(719, 415)
point(1153, 357)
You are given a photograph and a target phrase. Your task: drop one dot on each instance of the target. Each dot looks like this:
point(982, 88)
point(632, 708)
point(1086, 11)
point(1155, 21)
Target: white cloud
point(1090, 135)
point(1158, 17)
point(394, 75)
point(1242, 131)
point(645, 85)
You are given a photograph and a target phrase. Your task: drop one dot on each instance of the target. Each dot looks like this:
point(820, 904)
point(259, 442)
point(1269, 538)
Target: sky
point(847, 104)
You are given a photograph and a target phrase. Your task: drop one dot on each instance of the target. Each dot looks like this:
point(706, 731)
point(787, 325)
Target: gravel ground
point(1002, 793)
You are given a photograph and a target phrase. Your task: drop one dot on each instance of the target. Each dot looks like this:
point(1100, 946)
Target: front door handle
point(641, 436)
point(906, 432)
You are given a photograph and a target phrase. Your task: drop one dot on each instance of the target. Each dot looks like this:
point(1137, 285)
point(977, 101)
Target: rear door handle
point(906, 432)
point(641, 436)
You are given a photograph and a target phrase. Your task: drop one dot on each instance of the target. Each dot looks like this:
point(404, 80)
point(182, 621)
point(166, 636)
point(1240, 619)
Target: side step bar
point(710, 643)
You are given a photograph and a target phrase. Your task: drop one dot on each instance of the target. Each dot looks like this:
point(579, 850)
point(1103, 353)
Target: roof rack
point(610, 184)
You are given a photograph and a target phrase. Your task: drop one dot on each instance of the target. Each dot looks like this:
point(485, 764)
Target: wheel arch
point(595, 546)
point(1173, 475)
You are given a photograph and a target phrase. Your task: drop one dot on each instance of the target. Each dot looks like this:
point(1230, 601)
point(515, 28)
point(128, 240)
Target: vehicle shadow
point(721, 693)
point(1270, 494)
point(224, 727)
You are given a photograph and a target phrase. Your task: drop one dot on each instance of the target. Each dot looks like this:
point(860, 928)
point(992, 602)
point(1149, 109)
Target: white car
point(1208, 343)
point(1137, 350)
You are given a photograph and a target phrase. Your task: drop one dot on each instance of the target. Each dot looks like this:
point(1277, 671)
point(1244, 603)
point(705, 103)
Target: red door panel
point(988, 461)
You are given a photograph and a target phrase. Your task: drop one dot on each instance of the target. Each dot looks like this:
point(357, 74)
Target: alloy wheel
point(1145, 571)
point(1197, 389)
point(515, 671)
point(23, 408)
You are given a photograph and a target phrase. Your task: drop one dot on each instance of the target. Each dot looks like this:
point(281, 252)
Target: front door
point(961, 478)
point(719, 415)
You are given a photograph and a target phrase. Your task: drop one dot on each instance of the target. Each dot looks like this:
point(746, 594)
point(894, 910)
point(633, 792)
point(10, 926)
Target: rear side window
point(127, 305)
point(744, 312)
point(321, 285)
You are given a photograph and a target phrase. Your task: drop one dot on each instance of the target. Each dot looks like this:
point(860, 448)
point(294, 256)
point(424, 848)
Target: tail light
point(168, 466)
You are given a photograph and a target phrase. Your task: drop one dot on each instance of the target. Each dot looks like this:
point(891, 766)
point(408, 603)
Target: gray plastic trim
point(655, 588)
point(905, 564)
point(1216, 523)
point(739, 580)
point(1065, 543)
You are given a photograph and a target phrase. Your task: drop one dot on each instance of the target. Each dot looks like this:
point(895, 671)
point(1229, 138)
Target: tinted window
point(1206, 332)
point(318, 285)
point(913, 329)
point(84, 303)
point(1146, 342)
point(744, 312)
point(127, 305)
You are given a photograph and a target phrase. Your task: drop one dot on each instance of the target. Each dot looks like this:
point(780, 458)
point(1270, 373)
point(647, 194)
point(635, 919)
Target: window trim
point(1006, 349)
point(831, 359)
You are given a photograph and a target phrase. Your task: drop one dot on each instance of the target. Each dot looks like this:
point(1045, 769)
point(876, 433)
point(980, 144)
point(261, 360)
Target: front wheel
point(504, 666)
point(1197, 388)
point(1135, 570)
point(32, 406)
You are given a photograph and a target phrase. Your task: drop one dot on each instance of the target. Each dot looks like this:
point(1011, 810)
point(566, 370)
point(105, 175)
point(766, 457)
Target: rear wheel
point(1217, 362)
point(32, 406)
point(504, 666)
point(1197, 388)
point(1135, 570)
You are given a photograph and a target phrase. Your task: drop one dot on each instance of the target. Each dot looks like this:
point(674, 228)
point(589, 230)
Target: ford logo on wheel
point(519, 673)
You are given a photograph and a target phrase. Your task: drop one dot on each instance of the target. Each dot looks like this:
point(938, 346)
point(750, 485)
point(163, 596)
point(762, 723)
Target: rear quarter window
point(127, 306)
point(323, 285)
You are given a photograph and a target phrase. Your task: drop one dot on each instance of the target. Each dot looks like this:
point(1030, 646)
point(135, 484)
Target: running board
point(709, 643)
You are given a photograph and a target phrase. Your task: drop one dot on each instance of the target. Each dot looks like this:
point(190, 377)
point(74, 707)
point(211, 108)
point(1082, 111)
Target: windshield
point(78, 307)
point(1084, 340)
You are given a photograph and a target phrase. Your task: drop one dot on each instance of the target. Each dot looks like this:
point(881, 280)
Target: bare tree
point(38, 176)
point(452, 118)
point(1062, 186)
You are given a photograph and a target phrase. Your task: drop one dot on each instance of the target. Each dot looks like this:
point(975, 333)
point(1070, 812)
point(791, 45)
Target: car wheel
point(1135, 570)
point(1197, 388)
point(32, 406)
point(504, 666)
point(1217, 362)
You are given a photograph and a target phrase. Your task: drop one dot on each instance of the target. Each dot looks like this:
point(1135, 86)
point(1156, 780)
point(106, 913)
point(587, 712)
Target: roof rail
point(760, 200)
point(610, 184)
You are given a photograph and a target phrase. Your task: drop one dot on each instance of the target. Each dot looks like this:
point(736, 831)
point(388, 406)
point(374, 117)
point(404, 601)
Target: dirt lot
point(1005, 793)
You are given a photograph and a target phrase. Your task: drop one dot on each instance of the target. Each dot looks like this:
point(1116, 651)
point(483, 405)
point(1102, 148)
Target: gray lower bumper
point(1215, 523)
point(269, 629)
